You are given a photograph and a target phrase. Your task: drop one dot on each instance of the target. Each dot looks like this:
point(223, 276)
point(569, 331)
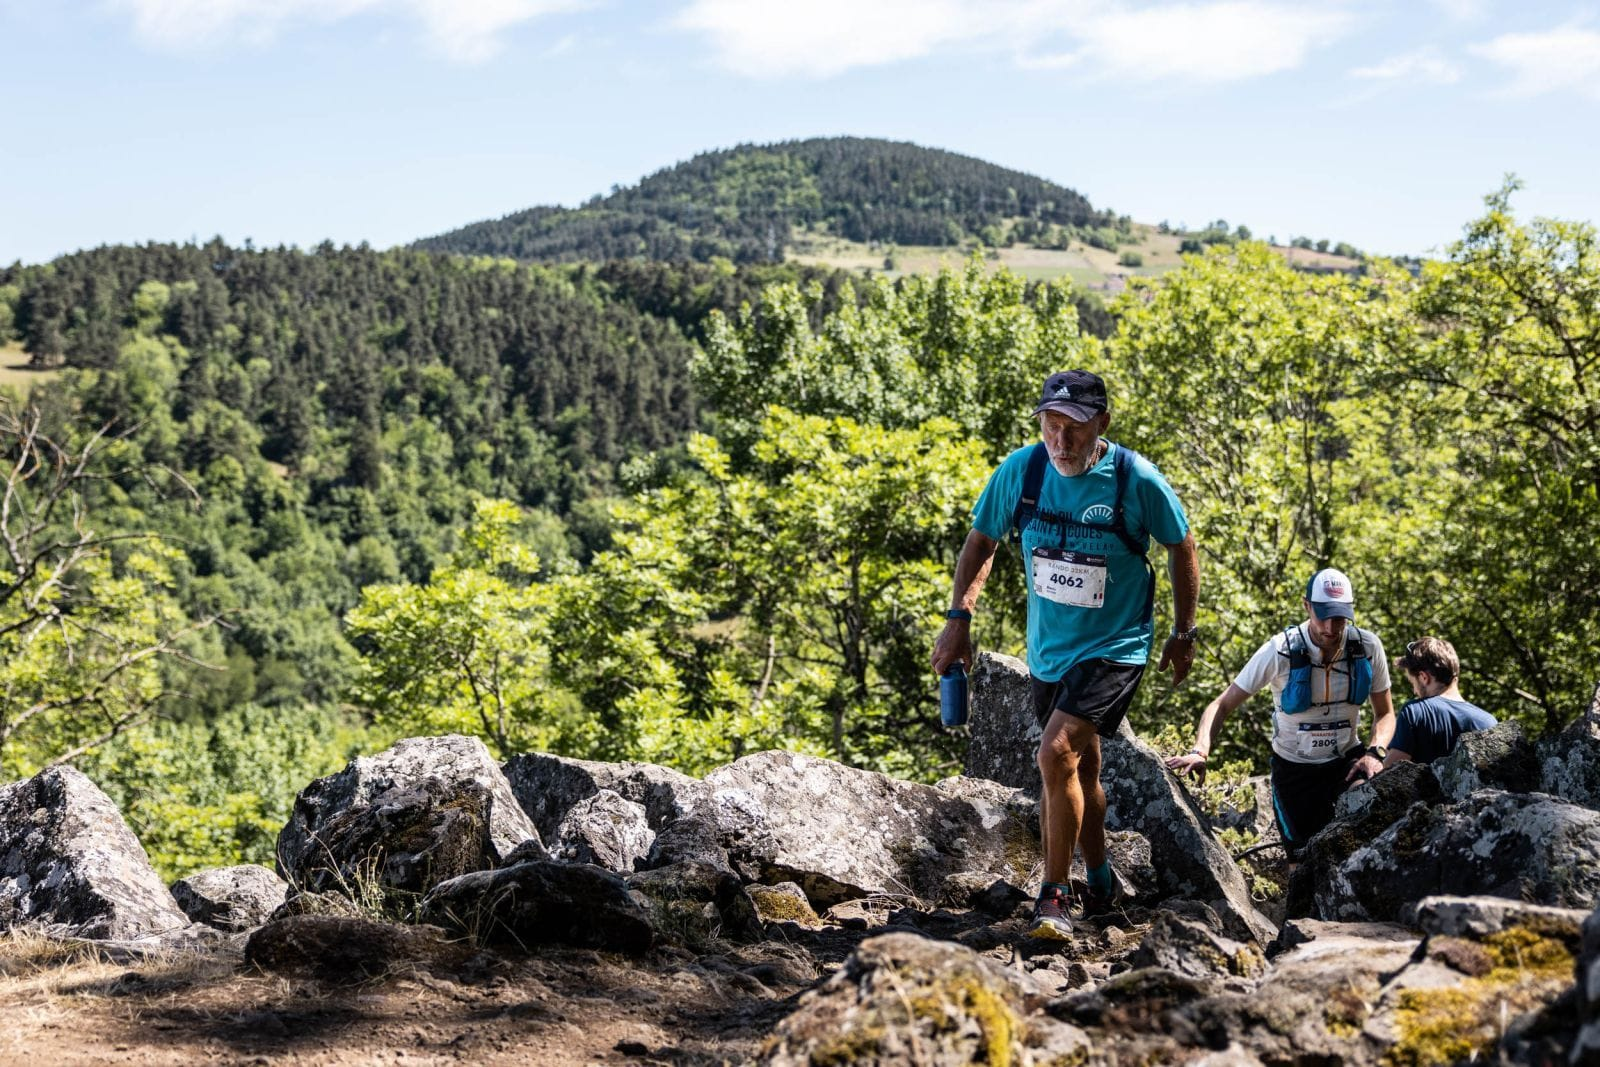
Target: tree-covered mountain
point(744, 203)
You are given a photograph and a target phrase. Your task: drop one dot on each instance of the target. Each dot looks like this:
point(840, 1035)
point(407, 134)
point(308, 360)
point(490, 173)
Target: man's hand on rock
point(1189, 763)
point(1362, 769)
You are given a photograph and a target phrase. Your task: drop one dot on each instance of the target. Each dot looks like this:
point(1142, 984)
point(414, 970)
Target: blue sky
point(294, 121)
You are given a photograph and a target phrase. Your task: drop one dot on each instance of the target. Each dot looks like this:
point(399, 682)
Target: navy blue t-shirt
point(1429, 728)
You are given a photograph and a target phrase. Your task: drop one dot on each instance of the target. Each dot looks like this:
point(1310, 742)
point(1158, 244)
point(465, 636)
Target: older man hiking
point(1084, 511)
point(1321, 673)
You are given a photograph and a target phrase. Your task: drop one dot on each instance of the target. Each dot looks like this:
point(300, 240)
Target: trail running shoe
point(1050, 920)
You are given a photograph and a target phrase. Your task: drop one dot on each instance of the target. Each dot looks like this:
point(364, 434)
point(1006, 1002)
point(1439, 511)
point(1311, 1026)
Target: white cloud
point(1560, 59)
point(1423, 65)
point(1462, 10)
point(1208, 42)
point(1204, 41)
point(467, 31)
point(778, 38)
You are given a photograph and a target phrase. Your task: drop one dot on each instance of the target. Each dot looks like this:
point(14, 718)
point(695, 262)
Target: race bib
point(1074, 578)
point(1322, 740)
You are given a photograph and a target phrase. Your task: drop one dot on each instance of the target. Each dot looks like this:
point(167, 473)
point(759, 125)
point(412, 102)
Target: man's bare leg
point(1062, 813)
point(1092, 830)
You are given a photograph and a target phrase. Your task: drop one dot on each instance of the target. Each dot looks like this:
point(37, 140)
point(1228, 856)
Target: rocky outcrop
point(542, 902)
point(1523, 846)
point(1360, 815)
point(1004, 735)
point(1498, 758)
point(1187, 947)
point(901, 998)
point(451, 759)
point(548, 787)
point(231, 898)
point(1144, 797)
point(1569, 765)
point(68, 862)
point(604, 829)
point(402, 843)
point(839, 832)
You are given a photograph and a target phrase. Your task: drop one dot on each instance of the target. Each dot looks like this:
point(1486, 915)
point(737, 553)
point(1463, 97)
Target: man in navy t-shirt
point(1090, 629)
point(1430, 726)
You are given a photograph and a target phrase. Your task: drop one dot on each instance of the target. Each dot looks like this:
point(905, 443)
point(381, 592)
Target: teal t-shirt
point(1062, 635)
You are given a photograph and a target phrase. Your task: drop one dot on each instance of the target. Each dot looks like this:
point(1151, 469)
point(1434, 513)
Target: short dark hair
point(1434, 655)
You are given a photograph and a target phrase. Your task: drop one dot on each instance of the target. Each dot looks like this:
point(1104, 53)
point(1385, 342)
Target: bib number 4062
point(1077, 579)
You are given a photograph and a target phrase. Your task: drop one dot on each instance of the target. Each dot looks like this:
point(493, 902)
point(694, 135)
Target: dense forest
point(744, 204)
point(267, 508)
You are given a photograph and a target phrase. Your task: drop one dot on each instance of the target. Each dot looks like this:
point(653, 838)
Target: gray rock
point(604, 829)
point(326, 904)
point(1144, 797)
point(1360, 815)
point(345, 949)
point(841, 833)
point(549, 786)
point(231, 898)
point(402, 843)
point(68, 862)
point(451, 758)
point(784, 902)
point(1586, 1044)
point(1186, 947)
point(973, 1010)
point(1497, 758)
point(1004, 735)
point(1300, 931)
point(1529, 847)
point(1569, 765)
point(1478, 917)
point(696, 903)
point(542, 902)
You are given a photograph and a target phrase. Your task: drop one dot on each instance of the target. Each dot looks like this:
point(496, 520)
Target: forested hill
point(745, 203)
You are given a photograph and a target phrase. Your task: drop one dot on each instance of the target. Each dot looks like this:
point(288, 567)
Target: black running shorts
point(1303, 795)
point(1096, 689)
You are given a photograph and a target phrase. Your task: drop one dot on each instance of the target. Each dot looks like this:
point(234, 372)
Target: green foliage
point(210, 794)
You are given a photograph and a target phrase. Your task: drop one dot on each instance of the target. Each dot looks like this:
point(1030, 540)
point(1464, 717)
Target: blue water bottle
point(953, 695)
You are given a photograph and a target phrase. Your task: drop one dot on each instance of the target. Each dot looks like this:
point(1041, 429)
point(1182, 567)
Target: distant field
point(15, 372)
point(1089, 268)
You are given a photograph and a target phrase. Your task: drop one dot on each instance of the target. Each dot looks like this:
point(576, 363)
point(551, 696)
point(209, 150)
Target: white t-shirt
point(1324, 731)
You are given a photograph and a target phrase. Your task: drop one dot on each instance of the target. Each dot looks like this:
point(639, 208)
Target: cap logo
point(1333, 587)
point(1064, 392)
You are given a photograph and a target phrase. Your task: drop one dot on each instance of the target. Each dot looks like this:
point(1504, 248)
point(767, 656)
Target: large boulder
point(1143, 796)
point(231, 898)
point(1570, 763)
point(1528, 847)
point(1003, 734)
point(69, 862)
point(451, 759)
point(542, 902)
point(351, 949)
point(1586, 1046)
point(902, 998)
point(605, 829)
point(1497, 758)
point(1360, 815)
point(842, 833)
point(402, 843)
point(548, 787)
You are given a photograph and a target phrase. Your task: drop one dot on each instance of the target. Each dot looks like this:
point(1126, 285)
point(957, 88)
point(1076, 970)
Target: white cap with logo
point(1331, 595)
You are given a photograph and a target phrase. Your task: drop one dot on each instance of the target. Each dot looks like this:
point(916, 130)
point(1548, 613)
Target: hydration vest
point(1358, 668)
point(1122, 466)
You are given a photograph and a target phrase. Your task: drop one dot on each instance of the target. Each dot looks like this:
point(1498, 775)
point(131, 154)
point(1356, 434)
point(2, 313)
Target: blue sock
point(1100, 878)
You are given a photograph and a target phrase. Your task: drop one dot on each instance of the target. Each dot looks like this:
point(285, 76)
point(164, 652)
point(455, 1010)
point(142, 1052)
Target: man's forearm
point(972, 570)
point(1183, 568)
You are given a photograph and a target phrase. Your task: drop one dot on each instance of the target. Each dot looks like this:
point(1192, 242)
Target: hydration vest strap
point(1032, 484)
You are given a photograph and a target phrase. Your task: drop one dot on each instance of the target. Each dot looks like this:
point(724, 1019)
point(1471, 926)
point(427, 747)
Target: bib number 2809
point(1077, 579)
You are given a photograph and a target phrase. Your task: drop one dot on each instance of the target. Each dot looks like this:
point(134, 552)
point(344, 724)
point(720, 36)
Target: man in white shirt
point(1321, 673)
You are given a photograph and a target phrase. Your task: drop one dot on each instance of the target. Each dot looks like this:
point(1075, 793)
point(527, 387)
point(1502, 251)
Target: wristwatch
point(1378, 752)
point(1191, 634)
point(958, 613)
